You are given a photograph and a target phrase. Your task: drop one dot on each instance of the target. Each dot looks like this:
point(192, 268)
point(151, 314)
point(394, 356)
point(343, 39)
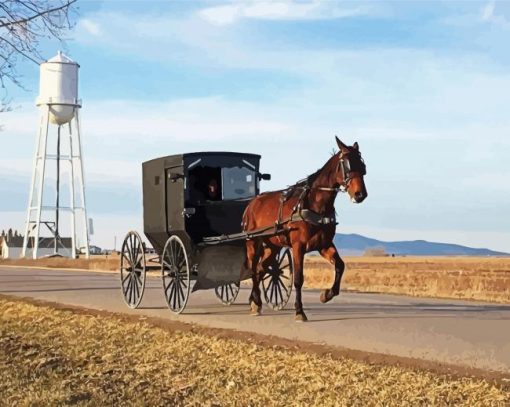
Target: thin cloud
point(279, 10)
point(488, 15)
point(488, 11)
point(89, 27)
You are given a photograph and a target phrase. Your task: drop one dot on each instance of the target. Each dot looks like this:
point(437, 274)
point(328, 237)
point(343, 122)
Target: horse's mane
point(291, 190)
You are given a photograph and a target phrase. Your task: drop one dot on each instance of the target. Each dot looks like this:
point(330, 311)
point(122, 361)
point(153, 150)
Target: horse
point(303, 218)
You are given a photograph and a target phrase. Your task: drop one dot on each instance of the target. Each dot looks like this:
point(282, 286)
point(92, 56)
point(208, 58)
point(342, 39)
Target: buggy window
point(207, 183)
point(204, 184)
point(238, 182)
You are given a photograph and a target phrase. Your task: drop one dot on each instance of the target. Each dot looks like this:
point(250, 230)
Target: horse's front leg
point(298, 254)
point(332, 256)
point(253, 256)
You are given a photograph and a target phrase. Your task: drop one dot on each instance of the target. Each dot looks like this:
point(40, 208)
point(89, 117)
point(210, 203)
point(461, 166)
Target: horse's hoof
point(301, 317)
point(325, 297)
point(255, 310)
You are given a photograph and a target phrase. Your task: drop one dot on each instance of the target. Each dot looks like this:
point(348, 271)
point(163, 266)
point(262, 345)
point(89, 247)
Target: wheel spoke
point(171, 255)
point(270, 291)
point(177, 296)
point(181, 295)
point(130, 297)
point(125, 278)
point(139, 248)
point(132, 251)
point(129, 257)
point(136, 289)
point(168, 266)
point(129, 247)
point(170, 289)
point(280, 294)
point(275, 293)
point(133, 289)
point(168, 286)
point(127, 287)
point(138, 279)
point(124, 256)
point(173, 294)
point(179, 255)
point(285, 288)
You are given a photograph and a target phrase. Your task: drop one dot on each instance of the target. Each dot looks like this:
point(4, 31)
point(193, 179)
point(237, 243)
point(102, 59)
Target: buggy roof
point(179, 158)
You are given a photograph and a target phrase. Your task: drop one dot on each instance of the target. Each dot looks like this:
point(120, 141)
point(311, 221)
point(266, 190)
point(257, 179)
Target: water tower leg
point(72, 197)
point(28, 230)
point(42, 161)
point(38, 169)
point(82, 179)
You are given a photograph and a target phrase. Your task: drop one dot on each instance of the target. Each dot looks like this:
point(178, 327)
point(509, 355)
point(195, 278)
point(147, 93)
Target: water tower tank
point(58, 88)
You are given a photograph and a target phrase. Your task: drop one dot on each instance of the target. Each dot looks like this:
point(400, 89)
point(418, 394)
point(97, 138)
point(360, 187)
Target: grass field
point(57, 357)
point(475, 278)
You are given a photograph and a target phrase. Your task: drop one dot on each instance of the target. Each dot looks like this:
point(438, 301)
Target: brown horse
point(303, 218)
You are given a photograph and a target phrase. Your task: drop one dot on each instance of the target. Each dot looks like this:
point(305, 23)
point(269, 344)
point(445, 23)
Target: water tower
point(61, 152)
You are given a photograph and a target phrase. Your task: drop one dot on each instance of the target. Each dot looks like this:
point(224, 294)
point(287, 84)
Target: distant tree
point(3, 233)
point(23, 24)
point(375, 252)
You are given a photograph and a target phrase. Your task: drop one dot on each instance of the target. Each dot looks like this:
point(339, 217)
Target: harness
point(307, 215)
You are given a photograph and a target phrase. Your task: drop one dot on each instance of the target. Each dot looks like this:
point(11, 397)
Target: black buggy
point(192, 210)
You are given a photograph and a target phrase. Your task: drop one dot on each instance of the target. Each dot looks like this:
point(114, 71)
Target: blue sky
point(424, 87)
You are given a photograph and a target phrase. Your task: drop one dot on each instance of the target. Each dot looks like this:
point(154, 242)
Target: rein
point(307, 215)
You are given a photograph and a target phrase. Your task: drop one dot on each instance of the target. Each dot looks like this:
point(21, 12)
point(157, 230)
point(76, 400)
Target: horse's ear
point(356, 146)
point(341, 145)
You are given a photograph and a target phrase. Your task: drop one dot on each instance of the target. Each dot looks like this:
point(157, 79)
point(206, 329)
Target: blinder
point(346, 167)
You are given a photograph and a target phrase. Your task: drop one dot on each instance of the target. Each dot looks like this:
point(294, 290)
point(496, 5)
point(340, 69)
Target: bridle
point(344, 166)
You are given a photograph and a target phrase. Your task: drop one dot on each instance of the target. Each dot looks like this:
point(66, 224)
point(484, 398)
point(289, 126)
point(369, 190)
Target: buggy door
point(175, 180)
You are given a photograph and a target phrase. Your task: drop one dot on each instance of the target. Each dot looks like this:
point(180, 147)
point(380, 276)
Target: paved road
point(470, 334)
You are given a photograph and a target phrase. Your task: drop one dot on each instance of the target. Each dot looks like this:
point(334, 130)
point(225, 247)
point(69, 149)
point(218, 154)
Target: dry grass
point(474, 278)
point(96, 262)
point(58, 357)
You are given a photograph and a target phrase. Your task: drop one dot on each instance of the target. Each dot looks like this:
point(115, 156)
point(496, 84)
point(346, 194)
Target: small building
point(11, 246)
point(95, 250)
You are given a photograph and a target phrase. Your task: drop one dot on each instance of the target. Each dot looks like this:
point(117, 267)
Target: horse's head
point(350, 171)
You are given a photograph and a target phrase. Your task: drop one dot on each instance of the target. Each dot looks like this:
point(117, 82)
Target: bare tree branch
point(23, 25)
point(38, 14)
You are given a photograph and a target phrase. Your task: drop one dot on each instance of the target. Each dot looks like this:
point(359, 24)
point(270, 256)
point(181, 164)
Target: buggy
point(192, 211)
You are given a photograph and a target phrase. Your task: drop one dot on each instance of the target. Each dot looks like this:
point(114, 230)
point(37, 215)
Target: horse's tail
point(244, 221)
point(247, 219)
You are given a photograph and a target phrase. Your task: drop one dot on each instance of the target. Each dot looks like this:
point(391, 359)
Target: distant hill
point(355, 245)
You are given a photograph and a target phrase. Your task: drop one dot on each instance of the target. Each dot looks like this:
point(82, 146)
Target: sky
point(424, 87)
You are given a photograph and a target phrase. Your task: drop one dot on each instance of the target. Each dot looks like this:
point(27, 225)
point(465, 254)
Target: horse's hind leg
point(332, 256)
point(253, 249)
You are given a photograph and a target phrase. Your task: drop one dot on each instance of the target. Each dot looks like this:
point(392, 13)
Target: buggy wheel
point(227, 293)
point(132, 269)
point(175, 273)
point(277, 281)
